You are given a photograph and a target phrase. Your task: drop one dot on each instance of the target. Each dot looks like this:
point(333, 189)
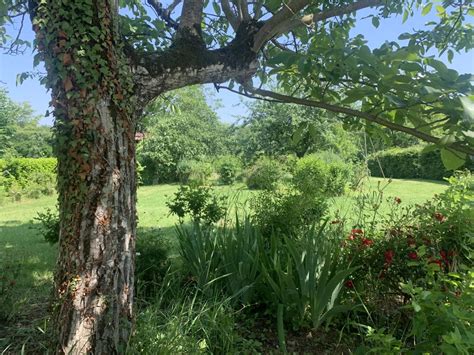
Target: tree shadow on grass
point(26, 264)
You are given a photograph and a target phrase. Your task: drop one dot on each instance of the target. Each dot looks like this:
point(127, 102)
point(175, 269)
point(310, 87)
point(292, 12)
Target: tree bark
point(94, 279)
point(92, 96)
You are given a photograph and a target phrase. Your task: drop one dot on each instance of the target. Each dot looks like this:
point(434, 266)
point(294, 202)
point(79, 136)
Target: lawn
point(27, 261)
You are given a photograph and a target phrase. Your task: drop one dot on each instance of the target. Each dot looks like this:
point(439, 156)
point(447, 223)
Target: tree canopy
point(306, 47)
point(20, 133)
point(107, 60)
point(177, 127)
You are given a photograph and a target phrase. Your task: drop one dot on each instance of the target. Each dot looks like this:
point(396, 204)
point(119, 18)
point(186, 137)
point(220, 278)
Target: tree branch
point(191, 16)
point(284, 21)
point(284, 14)
point(165, 14)
point(309, 20)
point(243, 10)
point(458, 146)
point(170, 8)
point(230, 15)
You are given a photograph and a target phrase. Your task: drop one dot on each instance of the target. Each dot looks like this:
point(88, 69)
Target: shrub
point(194, 172)
point(401, 163)
point(264, 174)
point(229, 168)
point(324, 173)
point(408, 163)
point(31, 177)
point(311, 175)
point(199, 203)
point(420, 254)
point(287, 211)
point(49, 225)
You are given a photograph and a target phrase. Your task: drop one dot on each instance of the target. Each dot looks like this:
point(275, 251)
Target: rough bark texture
point(189, 62)
point(96, 262)
point(95, 145)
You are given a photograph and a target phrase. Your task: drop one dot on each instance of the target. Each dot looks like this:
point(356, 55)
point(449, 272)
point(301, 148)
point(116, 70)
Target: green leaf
point(450, 55)
point(217, 8)
point(405, 16)
point(375, 21)
point(452, 160)
point(427, 9)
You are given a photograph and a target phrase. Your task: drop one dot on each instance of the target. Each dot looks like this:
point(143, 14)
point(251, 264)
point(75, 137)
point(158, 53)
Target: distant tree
point(280, 129)
point(20, 133)
point(176, 127)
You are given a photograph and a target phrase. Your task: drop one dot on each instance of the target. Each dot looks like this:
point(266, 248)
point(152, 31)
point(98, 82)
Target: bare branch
point(309, 20)
point(163, 13)
point(230, 15)
point(458, 146)
point(191, 16)
point(284, 21)
point(284, 14)
point(243, 10)
point(170, 8)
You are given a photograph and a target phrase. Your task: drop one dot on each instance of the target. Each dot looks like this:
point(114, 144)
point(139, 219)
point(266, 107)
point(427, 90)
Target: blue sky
point(231, 105)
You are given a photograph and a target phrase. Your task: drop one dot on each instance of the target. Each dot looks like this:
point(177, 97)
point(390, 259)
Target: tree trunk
point(94, 280)
point(92, 96)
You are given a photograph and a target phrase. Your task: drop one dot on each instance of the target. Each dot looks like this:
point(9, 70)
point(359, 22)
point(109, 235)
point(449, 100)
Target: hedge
point(28, 176)
point(409, 163)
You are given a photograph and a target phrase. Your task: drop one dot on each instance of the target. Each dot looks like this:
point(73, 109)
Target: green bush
point(228, 168)
point(264, 174)
point(301, 277)
point(197, 202)
point(410, 163)
point(49, 225)
point(400, 163)
point(31, 177)
point(194, 172)
point(287, 211)
point(323, 173)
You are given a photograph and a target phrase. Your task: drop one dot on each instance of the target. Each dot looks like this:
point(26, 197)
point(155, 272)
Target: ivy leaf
point(452, 160)
point(67, 83)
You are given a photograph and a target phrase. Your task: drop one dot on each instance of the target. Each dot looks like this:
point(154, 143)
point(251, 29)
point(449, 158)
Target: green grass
point(410, 192)
point(27, 261)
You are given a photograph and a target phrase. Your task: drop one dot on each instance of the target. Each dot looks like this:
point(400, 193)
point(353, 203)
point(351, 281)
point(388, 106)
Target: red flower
point(436, 261)
point(389, 254)
point(443, 254)
point(413, 255)
point(367, 242)
point(349, 284)
point(356, 233)
point(439, 217)
point(398, 200)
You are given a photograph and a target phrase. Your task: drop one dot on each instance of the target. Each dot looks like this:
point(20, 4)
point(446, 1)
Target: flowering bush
point(402, 246)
